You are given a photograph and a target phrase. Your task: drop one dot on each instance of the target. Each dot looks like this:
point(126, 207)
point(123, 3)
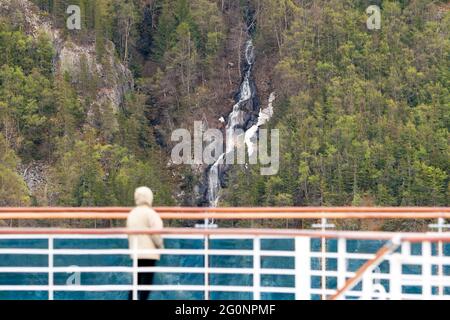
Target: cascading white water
point(235, 120)
point(263, 117)
point(214, 182)
point(235, 123)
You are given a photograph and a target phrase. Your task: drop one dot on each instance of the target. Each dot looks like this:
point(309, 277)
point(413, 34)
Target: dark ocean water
point(353, 246)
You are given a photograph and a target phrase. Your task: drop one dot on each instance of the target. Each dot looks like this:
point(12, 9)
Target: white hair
point(143, 196)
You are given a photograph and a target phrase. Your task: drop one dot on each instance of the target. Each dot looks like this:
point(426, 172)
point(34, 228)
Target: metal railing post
point(440, 226)
point(257, 268)
point(302, 268)
point(426, 270)
point(206, 258)
point(323, 225)
point(341, 262)
point(323, 267)
point(395, 278)
point(50, 268)
point(135, 271)
point(440, 268)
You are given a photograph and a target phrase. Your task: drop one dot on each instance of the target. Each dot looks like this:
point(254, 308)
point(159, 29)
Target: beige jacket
point(141, 218)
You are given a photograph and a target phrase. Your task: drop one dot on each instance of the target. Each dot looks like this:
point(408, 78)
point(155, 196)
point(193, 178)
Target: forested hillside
point(66, 107)
point(86, 115)
point(364, 115)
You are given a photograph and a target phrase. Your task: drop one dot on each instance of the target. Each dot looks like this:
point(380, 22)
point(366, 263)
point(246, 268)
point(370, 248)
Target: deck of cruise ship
point(204, 263)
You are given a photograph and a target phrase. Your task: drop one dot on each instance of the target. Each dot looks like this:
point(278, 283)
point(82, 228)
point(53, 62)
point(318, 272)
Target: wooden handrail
point(196, 213)
point(233, 209)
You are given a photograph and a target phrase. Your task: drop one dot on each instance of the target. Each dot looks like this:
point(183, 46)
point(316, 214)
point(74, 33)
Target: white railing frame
point(135, 272)
point(51, 265)
point(257, 268)
point(302, 269)
point(302, 272)
point(206, 264)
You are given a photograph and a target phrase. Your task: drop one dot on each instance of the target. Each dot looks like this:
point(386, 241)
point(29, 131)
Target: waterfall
point(214, 182)
point(236, 120)
point(251, 135)
point(239, 119)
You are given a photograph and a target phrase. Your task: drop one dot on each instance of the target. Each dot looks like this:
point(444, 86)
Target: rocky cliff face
point(113, 80)
point(217, 89)
point(25, 15)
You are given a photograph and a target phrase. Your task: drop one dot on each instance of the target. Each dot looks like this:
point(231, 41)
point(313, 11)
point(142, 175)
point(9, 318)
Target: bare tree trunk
point(127, 35)
point(189, 67)
point(278, 41)
point(239, 53)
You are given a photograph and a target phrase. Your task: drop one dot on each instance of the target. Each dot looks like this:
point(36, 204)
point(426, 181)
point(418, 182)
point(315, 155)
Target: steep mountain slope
point(72, 116)
point(363, 114)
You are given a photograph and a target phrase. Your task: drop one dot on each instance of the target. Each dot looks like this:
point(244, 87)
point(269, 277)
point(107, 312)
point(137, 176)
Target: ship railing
point(403, 266)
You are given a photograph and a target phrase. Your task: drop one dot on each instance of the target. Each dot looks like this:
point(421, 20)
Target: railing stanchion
point(206, 258)
point(341, 262)
point(395, 282)
point(302, 268)
point(440, 227)
point(426, 270)
point(440, 249)
point(440, 268)
point(135, 271)
point(257, 268)
point(323, 225)
point(50, 268)
point(323, 267)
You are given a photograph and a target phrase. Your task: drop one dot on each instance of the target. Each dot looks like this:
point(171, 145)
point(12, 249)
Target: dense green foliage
point(44, 118)
point(364, 115)
point(13, 190)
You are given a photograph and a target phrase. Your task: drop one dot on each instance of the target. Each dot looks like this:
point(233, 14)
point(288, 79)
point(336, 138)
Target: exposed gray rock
point(113, 79)
point(26, 15)
point(34, 175)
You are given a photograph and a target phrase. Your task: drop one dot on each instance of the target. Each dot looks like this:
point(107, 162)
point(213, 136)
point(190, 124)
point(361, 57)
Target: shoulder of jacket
point(143, 211)
point(152, 212)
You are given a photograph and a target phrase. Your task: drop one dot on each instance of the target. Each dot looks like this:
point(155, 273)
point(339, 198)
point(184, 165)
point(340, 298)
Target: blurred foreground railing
point(288, 264)
point(183, 213)
point(245, 263)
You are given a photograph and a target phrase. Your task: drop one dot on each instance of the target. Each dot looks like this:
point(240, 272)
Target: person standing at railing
point(143, 217)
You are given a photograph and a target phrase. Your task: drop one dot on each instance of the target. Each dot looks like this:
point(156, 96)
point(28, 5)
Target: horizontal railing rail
point(357, 235)
point(191, 213)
